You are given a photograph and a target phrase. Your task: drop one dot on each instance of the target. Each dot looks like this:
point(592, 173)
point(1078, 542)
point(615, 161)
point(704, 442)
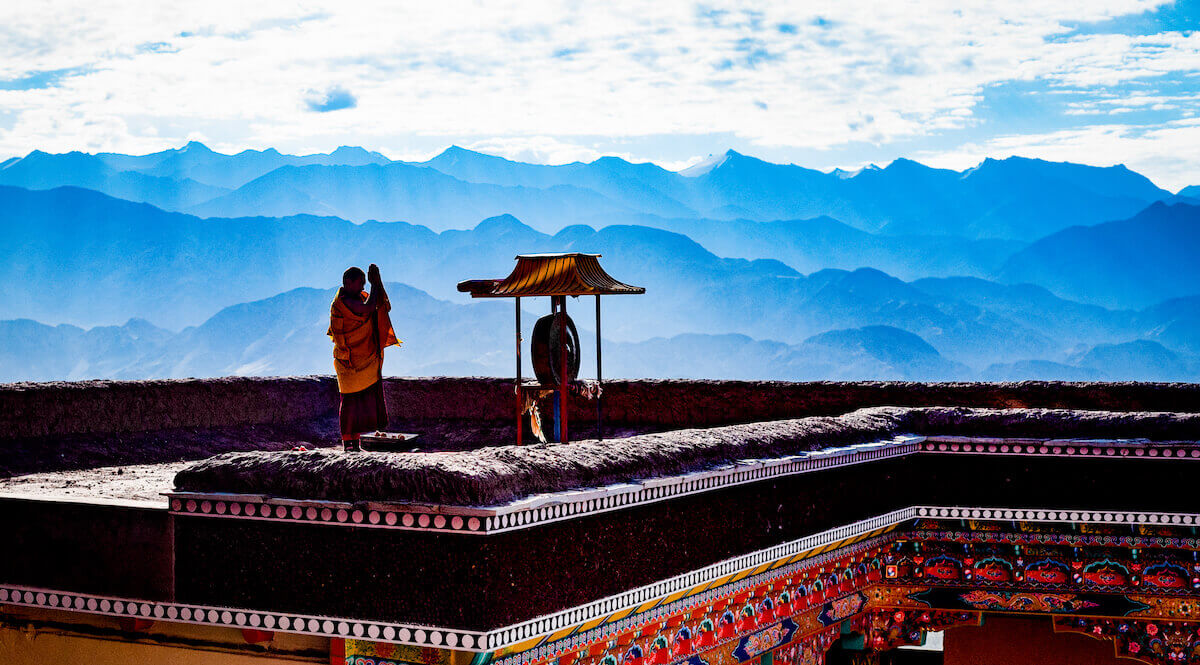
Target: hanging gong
point(548, 339)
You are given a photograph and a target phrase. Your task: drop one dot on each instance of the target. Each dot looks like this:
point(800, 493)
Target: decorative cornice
point(1123, 448)
point(241, 618)
point(1074, 539)
point(1064, 516)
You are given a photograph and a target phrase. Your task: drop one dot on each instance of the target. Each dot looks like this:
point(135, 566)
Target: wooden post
point(337, 651)
point(563, 377)
point(599, 377)
point(520, 395)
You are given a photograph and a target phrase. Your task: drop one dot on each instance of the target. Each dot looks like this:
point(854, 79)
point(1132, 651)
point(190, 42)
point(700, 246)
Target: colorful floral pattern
point(1156, 642)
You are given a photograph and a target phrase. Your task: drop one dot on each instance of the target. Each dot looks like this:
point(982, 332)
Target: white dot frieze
point(235, 618)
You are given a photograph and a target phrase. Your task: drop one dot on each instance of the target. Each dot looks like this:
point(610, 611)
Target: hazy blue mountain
point(741, 184)
point(31, 351)
point(173, 179)
point(1114, 181)
point(690, 356)
point(959, 331)
point(285, 335)
point(197, 162)
point(1118, 299)
point(1040, 370)
point(1015, 198)
point(1041, 310)
point(691, 290)
point(281, 335)
point(401, 192)
point(903, 354)
point(1140, 360)
point(105, 260)
point(1174, 323)
point(1191, 191)
point(836, 355)
point(84, 258)
point(115, 259)
point(40, 170)
point(907, 197)
point(809, 245)
point(642, 187)
point(1030, 198)
point(1135, 262)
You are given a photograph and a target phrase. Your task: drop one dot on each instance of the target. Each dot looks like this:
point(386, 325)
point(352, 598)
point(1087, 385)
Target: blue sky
point(836, 84)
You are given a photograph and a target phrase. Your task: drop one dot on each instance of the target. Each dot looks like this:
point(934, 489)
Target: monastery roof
point(726, 488)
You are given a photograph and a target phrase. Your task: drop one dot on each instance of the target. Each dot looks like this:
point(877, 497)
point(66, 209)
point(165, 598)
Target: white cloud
point(539, 150)
point(813, 75)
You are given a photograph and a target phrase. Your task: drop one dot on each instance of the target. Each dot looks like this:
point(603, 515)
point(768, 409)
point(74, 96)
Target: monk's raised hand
point(373, 273)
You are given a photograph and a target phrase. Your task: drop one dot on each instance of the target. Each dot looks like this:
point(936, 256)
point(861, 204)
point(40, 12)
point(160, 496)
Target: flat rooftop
point(141, 483)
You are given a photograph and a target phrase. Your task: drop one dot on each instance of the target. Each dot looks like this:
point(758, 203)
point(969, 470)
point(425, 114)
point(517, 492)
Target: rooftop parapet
point(495, 475)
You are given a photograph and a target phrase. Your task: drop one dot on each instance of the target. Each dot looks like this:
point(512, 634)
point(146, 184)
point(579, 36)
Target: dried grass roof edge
point(497, 475)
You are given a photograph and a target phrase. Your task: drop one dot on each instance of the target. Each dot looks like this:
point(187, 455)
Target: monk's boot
point(352, 446)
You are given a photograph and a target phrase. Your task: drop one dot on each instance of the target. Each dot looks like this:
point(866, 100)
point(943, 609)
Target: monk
point(361, 330)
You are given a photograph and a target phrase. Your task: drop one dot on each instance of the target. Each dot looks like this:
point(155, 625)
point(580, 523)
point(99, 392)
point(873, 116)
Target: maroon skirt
point(363, 411)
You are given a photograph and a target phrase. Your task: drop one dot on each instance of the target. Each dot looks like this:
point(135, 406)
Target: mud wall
point(709, 403)
point(35, 410)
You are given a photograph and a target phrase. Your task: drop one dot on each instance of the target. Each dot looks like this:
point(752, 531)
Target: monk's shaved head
point(353, 275)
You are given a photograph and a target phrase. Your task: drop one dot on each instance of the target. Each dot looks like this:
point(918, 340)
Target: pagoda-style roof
point(567, 274)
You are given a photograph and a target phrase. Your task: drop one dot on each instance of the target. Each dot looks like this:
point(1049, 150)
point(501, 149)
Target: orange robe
point(358, 345)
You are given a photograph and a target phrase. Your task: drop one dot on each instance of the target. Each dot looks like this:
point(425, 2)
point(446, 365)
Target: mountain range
point(284, 335)
point(1015, 269)
point(1118, 263)
point(1015, 198)
point(172, 179)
